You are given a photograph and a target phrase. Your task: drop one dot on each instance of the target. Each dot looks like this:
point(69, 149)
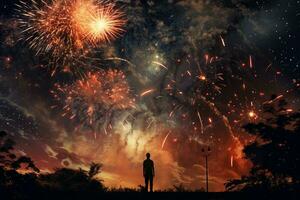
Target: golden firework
point(104, 23)
point(66, 28)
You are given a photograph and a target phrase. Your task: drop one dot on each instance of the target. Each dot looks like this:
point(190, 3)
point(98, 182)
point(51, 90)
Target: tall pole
point(206, 151)
point(206, 164)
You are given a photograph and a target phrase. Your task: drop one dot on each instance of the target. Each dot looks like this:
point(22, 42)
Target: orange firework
point(47, 28)
point(100, 91)
point(66, 28)
point(96, 23)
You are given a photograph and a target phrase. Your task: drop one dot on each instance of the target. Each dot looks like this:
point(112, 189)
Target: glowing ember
point(252, 114)
point(202, 77)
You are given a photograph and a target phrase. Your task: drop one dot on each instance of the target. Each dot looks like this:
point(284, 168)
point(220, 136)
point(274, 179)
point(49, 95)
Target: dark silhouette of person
point(148, 171)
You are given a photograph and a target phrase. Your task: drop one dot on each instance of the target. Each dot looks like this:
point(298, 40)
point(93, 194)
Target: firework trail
point(147, 92)
point(201, 123)
point(164, 141)
point(160, 64)
point(223, 41)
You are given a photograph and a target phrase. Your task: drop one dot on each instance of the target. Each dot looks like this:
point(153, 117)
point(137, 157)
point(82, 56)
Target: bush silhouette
point(70, 180)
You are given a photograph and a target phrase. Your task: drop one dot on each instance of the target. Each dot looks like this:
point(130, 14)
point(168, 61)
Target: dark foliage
point(8, 159)
point(26, 184)
point(141, 188)
point(69, 180)
point(274, 152)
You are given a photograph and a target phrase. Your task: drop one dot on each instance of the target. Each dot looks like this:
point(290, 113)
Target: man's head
point(148, 155)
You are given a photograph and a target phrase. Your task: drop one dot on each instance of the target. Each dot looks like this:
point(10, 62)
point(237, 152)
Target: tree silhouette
point(8, 159)
point(274, 152)
point(95, 168)
point(11, 181)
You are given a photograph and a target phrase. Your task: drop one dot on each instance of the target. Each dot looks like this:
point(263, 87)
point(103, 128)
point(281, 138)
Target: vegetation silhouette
point(274, 152)
point(8, 159)
point(141, 188)
point(10, 179)
point(70, 180)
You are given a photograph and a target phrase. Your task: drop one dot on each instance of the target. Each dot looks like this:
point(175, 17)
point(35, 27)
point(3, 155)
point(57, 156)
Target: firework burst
point(64, 29)
point(91, 100)
point(103, 24)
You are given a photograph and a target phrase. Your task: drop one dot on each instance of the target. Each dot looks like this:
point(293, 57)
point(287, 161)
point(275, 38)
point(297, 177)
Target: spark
point(202, 77)
point(147, 92)
point(250, 62)
point(273, 100)
point(164, 141)
point(289, 110)
point(171, 113)
point(121, 59)
point(201, 123)
point(8, 59)
point(160, 64)
point(244, 86)
point(231, 161)
point(223, 42)
point(252, 114)
point(206, 58)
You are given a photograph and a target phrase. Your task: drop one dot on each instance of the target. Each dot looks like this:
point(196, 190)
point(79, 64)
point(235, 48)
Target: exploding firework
point(65, 28)
point(93, 99)
point(98, 23)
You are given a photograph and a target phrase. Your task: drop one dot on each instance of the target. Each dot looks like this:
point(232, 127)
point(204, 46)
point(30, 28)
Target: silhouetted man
point(148, 171)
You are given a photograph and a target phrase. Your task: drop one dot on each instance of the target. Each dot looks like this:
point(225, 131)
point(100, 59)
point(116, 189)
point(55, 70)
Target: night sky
point(183, 75)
